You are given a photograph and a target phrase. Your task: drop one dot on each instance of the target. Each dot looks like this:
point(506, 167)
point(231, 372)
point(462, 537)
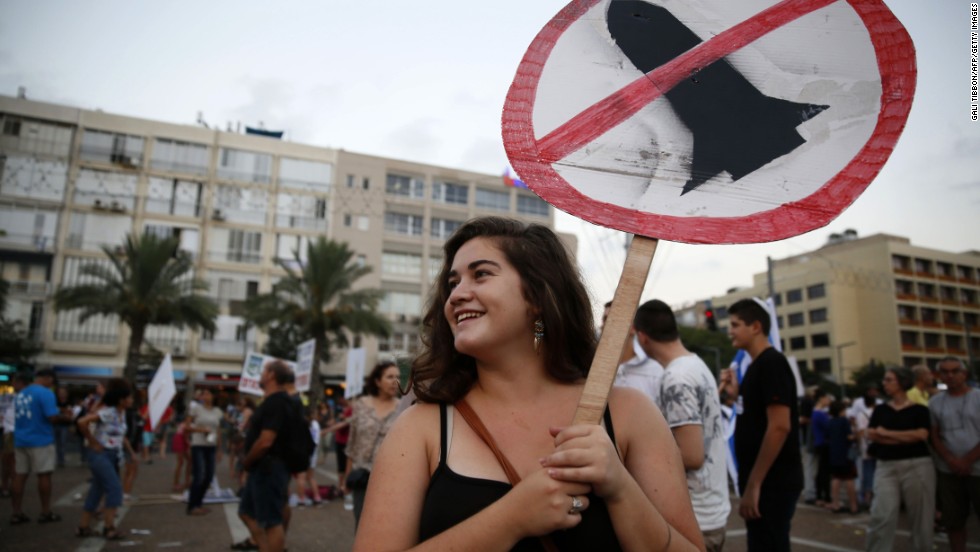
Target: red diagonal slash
point(605, 114)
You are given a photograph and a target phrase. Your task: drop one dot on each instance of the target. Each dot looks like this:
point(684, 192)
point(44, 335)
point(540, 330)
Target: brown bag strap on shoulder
point(466, 411)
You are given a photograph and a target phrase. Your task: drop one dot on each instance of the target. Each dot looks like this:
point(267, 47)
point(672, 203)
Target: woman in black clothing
point(509, 333)
point(898, 432)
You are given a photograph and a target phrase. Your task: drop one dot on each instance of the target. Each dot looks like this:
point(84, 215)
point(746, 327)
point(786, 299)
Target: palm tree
point(318, 299)
point(148, 281)
point(16, 347)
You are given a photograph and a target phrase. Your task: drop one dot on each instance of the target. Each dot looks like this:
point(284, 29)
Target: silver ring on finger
point(577, 506)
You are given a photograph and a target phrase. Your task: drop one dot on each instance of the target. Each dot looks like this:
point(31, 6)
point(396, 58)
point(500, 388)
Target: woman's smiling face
point(486, 309)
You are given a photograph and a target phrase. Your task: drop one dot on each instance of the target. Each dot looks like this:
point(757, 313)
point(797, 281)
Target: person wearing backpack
point(264, 495)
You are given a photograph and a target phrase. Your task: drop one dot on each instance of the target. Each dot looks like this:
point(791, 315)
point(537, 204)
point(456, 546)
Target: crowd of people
point(481, 450)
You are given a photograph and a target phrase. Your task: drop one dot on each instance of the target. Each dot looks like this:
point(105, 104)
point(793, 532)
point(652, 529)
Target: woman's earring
point(538, 333)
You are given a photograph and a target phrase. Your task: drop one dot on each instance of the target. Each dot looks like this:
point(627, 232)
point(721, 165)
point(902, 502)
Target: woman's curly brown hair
point(550, 282)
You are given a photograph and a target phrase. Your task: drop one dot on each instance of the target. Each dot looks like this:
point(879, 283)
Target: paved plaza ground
point(156, 521)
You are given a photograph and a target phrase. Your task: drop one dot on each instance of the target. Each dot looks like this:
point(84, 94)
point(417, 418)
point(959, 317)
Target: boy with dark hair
point(689, 402)
point(767, 449)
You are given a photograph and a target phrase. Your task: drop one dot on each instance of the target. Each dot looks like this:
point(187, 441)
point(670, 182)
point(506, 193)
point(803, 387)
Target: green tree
point(148, 281)
point(714, 348)
point(317, 301)
point(16, 348)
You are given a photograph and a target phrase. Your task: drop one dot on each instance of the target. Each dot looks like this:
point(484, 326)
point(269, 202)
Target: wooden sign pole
point(615, 330)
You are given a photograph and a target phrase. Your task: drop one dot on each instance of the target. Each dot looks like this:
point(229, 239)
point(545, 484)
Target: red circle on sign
point(533, 158)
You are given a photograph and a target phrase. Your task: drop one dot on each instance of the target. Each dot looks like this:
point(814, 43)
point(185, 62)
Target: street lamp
point(840, 365)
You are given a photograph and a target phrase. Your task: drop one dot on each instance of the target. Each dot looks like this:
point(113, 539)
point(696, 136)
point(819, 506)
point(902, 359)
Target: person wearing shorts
point(36, 411)
point(265, 491)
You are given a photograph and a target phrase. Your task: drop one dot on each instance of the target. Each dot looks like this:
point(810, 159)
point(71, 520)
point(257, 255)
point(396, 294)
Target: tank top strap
point(445, 430)
point(607, 418)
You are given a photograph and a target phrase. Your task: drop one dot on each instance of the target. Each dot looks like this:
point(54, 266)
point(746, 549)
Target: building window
point(400, 223)
point(531, 205)
point(795, 319)
point(821, 365)
point(491, 199)
point(405, 186)
point(244, 247)
point(244, 166)
point(923, 266)
point(11, 127)
point(820, 340)
point(794, 296)
point(777, 299)
point(401, 264)
point(926, 291)
point(108, 147)
point(401, 306)
point(932, 340)
point(453, 194)
point(721, 312)
point(305, 175)
point(816, 291)
point(366, 183)
point(181, 157)
point(906, 312)
point(347, 220)
point(818, 315)
point(779, 322)
point(363, 223)
point(173, 196)
point(909, 339)
point(964, 272)
point(350, 181)
point(968, 296)
point(443, 228)
point(797, 343)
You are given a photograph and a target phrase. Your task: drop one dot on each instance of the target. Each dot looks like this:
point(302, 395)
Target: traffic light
point(709, 319)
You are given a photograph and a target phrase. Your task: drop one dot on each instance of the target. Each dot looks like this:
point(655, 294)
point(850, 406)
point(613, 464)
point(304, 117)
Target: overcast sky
point(426, 81)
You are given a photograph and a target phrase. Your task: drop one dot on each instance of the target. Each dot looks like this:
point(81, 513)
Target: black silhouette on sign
point(736, 127)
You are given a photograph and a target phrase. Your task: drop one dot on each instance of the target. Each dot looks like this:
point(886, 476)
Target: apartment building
point(74, 180)
point(879, 297)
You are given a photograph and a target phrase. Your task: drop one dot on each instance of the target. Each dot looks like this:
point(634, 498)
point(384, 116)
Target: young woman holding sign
point(508, 339)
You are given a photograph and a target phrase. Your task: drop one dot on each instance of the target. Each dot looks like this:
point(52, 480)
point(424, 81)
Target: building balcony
point(938, 350)
point(911, 348)
point(908, 322)
point(906, 296)
point(963, 280)
point(225, 347)
point(245, 257)
point(931, 324)
point(953, 326)
point(901, 270)
point(38, 290)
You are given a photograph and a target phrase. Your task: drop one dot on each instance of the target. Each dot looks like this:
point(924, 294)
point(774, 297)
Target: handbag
point(358, 477)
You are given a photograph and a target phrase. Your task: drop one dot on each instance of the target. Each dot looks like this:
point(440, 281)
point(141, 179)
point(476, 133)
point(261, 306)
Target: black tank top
point(452, 498)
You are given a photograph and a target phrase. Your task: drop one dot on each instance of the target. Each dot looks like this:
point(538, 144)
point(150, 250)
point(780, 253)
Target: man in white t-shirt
point(689, 402)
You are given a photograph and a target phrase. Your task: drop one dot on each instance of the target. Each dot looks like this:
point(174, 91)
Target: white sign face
point(355, 372)
point(161, 391)
point(304, 364)
point(709, 121)
point(252, 374)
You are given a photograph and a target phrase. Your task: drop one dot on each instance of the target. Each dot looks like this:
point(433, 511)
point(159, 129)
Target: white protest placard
point(162, 390)
point(304, 364)
point(251, 374)
point(355, 372)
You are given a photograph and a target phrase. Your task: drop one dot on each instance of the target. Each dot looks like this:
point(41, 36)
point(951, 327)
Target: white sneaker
point(348, 502)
